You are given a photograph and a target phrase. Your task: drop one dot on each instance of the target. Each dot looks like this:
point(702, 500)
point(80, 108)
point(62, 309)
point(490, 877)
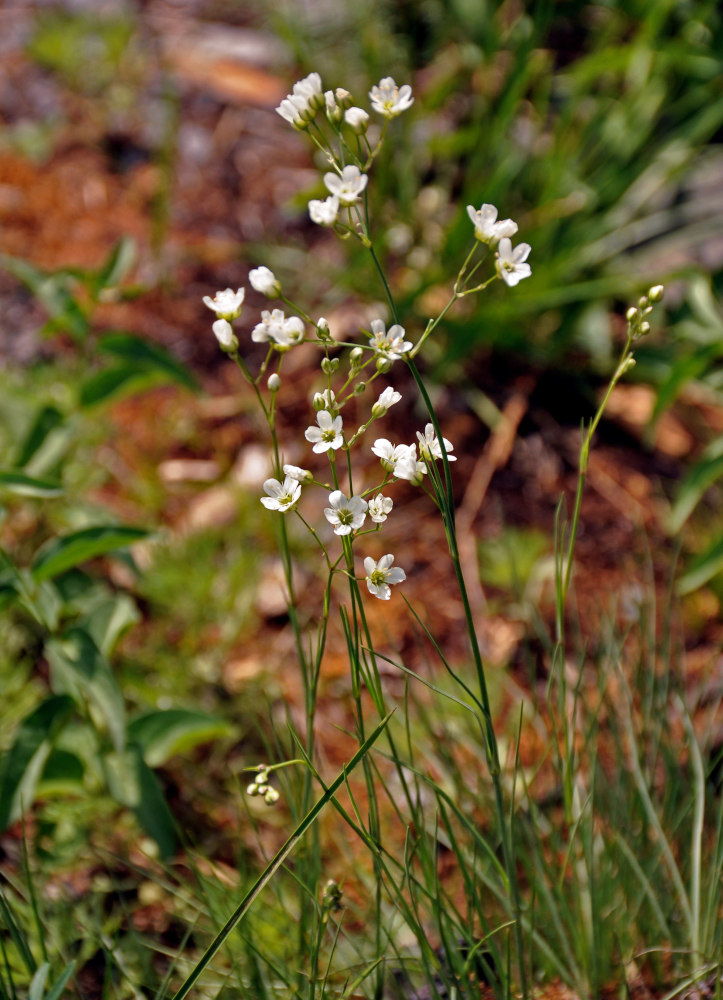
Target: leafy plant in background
point(78, 738)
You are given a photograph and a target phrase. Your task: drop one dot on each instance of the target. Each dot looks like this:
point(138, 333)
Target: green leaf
point(62, 775)
point(109, 382)
point(147, 355)
point(56, 990)
point(37, 983)
point(703, 474)
point(24, 762)
point(117, 266)
point(107, 622)
point(51, 290)
point(163, 733)
point(63, 553)
point(703, 568)
point(47, 419)
point(28, 486)
point(134, 785)
point(78, 668)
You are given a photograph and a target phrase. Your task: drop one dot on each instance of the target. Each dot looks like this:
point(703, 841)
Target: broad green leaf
point(132, 783)
point(28, 486)
point(63, 553)
point(703, 568)
point(78, 668)
point(24, 762)
point(47, 419)
point(703, 474)
point(147, 355)
point(105, 384)
point(62, 775)
point(163, 733)
point(107, 622)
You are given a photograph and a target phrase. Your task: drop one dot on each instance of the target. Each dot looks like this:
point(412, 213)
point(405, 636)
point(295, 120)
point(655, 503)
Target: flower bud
point(644, 328)
point(225, 336)
point(655, 294)
point(322, 329)
point(343, 97)
point(318, 402)
point(357, 119)
point(333, 111)
point(274, 382)
point(631, 314)
point(383, 364)
point(643, 302)
point(329, 365)
point(355, 357)
point(265, 281)
point(359, 388)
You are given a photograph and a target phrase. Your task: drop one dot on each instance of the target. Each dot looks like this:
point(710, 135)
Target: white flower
point(429, 446)
point(276, 327)
point(389, 344)
point(380, 574)
point(225, 335)
point(292, 332)
point(357, 119)
point(297, 473)
point(324, 213)
point(389, 454)
point(226, 304)
point(327, 435)
point(390, 100)
point(487, 228)
point(345, 514)
point(298, 107)
point(281, 496)
point(511, 265)
point(295, 110)
point(333, 111)
point(386, 399)
point(265, 281)
point(380, 507)
point(310, 90)
point(409, 467)
point(325, 400)
point(349, 186)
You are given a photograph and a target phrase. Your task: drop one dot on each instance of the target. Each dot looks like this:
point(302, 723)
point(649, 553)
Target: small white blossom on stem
point(389, 100)
point(281, 496)
point(486, 227)
point(225, 335)
point(357, 119)
point(409, 467)
point(389, 344)
point(297, 473)
point(265, 281)
point(346, 514)
point(349, 187)
point(380, 574)
point(380, 507)
point(226, 304)
point(429, 446)
point(328, 433)
point(386, 399)
point(274, 326)
point(389, 454)
point(324, 213)
point(298, 107)
point(511, 265)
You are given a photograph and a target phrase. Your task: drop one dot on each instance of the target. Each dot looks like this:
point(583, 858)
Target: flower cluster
point(260, 786)
point(636, 316)
point(511, 262)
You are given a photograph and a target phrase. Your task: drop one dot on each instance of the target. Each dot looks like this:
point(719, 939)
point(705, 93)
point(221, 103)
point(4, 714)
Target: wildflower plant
point(344, 506)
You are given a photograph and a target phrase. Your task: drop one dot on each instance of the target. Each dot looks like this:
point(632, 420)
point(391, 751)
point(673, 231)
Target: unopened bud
point(274, 382)
point(359, 388)
point(631, 314)
point(383, 364)
point(655, 294)
point(357, 119)
point(225, 336)
point(329, 365)
point(643, 302)
point(322, 329)
point(343, 97)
